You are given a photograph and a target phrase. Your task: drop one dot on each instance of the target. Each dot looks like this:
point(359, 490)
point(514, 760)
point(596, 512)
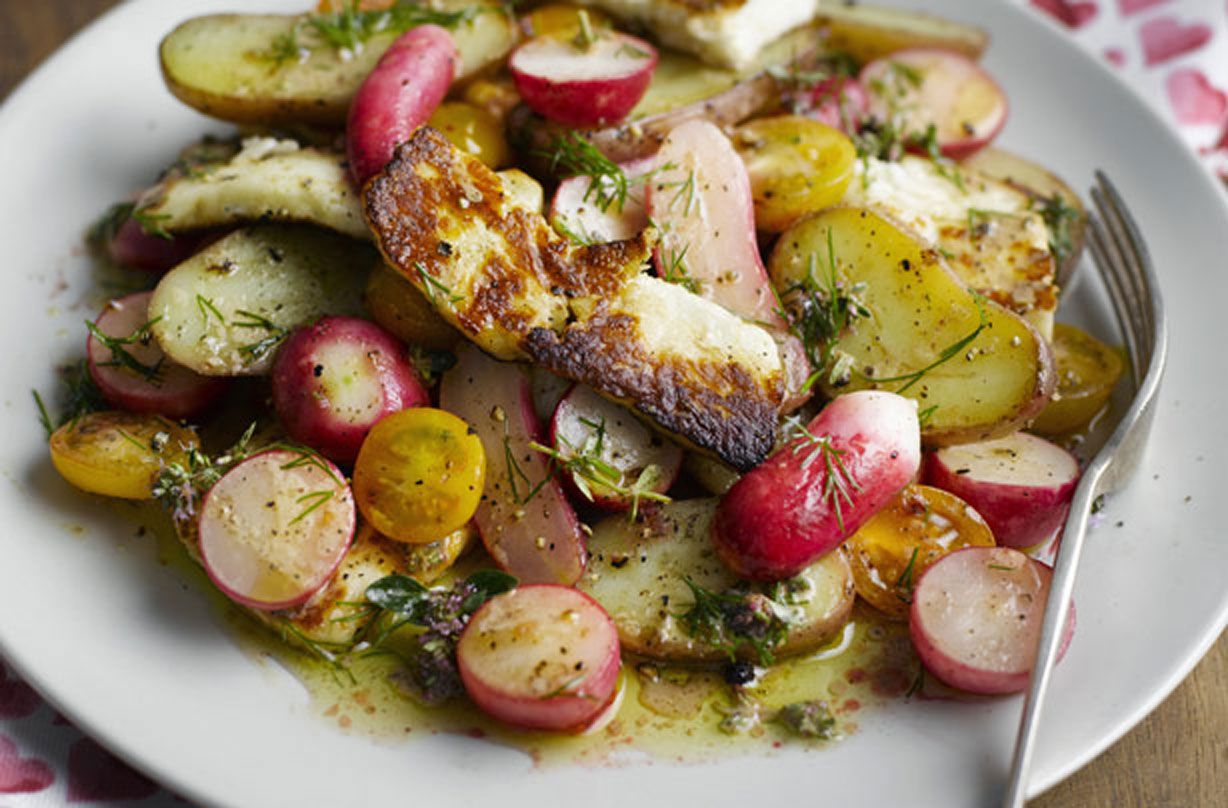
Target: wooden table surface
point(1178, 756)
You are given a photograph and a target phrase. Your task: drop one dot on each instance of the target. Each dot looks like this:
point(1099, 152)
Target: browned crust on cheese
point(547, 296)
point(719, 407)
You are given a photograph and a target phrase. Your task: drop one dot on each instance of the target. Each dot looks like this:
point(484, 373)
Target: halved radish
point(336, 379)
point(134, 374)
point(820, 487)
point(275, 527)
point(541, 657)
point(593, 215)
point(840, 102)
point(1021, 484)
point(132, 247)
point(923, 87)
point(614, 444)
point(590, 81)
point(526, 522)
point(976, 617)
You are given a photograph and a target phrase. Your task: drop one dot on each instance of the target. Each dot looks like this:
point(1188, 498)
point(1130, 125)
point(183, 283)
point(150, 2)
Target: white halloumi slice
point(988, 231)
point(729, 33)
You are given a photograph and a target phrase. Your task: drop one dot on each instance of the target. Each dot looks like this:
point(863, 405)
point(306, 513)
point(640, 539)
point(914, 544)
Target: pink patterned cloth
point(1173, 52)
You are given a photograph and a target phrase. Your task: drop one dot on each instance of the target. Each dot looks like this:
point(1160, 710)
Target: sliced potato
point(118, 454)
point(919, 313)
point(226, 65)
point(269, 180)
point(869, 32)
point(225, 311)
point(637, 573)
point(1043, 187)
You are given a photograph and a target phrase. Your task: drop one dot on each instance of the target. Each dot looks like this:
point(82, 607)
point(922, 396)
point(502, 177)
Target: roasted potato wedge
point(1052, 198)
point(975, 368)
point(225, 311)
point(268, 180)
point(242, 67)
point(869, 32)
point(637, 572)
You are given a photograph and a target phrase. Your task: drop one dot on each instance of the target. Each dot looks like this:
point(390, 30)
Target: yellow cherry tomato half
point(472, 129)
point(1087, 372)
point(419, 475)
point(920, 526)
point(796, 166)
point(118, 454)
point(398, 306)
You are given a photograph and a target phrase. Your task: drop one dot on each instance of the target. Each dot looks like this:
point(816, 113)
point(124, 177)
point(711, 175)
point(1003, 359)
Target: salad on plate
point(605, 369)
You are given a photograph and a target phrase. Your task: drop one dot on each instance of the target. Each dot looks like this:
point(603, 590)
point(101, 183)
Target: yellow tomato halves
point(118, 454)
point(419, 475)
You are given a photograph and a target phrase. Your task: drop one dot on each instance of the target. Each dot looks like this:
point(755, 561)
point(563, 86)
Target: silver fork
point(1125, 266)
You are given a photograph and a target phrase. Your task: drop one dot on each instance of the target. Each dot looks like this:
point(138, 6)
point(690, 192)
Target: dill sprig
point(839, 485)
point(1059, 217)
point(80, 396)
point(121, 357)
point(274, 335)
point(673, 266)
point(573, 156)
point(821, 307)
point(348, 29)
point(433, 286)
point(590, 470)
point(735, 619)
point(904, 584)
point(515, 472)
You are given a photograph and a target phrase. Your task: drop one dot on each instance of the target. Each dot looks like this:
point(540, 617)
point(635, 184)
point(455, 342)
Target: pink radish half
point(144, 380)
point(398, 96)
point(132, 247)
point(921, 87)
point(976, 618)
point(334, 380)
point(816, 490)
point(586, 423)
point(841, 103)
point(275, 527)
point(525, 520)
point(583, 85)
point(577, 207)
point(541, 657)
point(1021, 484)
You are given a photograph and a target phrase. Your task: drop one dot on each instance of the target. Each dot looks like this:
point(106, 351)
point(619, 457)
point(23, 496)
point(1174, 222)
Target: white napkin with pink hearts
point(1173, 52)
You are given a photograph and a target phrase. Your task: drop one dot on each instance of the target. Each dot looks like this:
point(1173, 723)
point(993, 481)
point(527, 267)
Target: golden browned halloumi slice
point(501, 275)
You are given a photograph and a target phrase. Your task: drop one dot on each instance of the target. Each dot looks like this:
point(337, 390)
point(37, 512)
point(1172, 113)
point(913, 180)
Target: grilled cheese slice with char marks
point(500, 274)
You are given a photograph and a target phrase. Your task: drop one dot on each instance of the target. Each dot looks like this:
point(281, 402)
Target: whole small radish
point(398, 96)
point(541, 657)
point(134, 374)
point(334, 380)
point(820, 487)
point(976, 617)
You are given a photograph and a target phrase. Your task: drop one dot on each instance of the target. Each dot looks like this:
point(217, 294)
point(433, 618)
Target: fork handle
point(1057, 610)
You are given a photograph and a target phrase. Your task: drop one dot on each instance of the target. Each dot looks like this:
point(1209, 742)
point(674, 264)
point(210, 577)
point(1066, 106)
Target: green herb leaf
point(807, 719)
point(121, 357)
point(735, 619)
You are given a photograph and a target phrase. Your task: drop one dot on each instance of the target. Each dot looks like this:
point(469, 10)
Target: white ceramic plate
point(119, 643)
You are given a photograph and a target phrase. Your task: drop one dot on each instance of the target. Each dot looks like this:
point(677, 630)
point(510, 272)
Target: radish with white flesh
point(525, 520)
point(398, 96)
point(923, 87)
point(132, 371)
point(976, 617)
point(133, 247)
point(701, 201)
point(820, 487)
point(1021, 484)
point(275, 527)
point(606, 444)
point(602, 214)
point(592, 82)
point(541, 657)
point(336, 379)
